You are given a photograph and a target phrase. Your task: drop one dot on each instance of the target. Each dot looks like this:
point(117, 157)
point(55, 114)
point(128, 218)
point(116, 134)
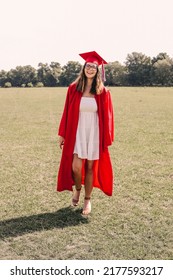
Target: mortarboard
point(94, 57)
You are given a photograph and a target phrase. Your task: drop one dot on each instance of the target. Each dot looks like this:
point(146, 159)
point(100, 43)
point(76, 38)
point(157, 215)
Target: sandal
point(76, 193)
point(87, 206)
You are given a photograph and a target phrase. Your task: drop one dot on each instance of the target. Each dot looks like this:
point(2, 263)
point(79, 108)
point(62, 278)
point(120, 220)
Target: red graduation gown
point(103, 173)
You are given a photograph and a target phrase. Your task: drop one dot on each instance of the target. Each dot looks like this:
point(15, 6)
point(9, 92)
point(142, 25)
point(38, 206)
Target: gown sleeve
point(108, 119)
point(64, 118)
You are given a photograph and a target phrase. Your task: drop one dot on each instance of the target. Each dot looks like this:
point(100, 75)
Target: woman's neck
point(89, 82)
point(88, 87)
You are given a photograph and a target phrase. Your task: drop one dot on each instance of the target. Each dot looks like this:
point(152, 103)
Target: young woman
point(85, 132)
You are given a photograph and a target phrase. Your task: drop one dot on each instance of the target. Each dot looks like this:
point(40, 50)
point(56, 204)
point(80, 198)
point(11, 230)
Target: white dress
point(87, 136)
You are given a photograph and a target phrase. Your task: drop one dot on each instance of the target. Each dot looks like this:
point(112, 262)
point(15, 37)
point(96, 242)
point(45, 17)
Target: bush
point(23, 85)
point(29, 85)
point(7, 85)
point(39, 84)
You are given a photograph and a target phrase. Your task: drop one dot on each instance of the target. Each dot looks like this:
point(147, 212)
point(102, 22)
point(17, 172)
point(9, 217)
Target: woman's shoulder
point(104, 91)
point(72, 88)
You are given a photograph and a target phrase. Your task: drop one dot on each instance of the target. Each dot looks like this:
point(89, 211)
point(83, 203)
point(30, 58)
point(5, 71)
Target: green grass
point(36, 222)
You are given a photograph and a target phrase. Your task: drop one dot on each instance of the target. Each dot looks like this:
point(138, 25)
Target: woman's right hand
point(61, 141)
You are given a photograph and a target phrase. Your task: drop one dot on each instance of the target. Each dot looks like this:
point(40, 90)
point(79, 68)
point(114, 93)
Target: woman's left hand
point(61, 142)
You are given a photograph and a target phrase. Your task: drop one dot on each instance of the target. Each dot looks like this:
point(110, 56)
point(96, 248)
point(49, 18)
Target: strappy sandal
point(87, 206)
point(75, 202)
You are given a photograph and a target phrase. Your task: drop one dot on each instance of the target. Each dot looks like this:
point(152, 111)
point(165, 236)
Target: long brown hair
point(97, 84)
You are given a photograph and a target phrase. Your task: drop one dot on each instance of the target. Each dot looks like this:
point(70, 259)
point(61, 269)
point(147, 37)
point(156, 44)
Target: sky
point(33, 31)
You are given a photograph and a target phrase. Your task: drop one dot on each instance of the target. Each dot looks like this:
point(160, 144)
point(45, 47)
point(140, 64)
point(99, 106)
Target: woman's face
point(90, 70)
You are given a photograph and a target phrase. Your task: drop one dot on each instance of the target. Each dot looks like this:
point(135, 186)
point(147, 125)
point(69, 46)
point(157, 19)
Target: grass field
point(36, 222)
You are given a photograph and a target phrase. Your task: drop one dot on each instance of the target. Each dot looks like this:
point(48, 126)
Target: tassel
point(103, 73)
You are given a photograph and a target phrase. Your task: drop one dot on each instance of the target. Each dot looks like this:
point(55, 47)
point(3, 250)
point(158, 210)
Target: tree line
point(138, 70)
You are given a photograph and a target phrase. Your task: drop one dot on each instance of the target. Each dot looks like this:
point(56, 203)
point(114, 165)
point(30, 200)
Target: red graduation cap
point(94, 57)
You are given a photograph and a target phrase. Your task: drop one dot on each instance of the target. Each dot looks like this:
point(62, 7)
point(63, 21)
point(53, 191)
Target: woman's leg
point(77, 176)
point(88, 186)
point(88, 177)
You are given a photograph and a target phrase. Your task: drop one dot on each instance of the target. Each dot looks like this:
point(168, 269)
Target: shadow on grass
point(64, 217)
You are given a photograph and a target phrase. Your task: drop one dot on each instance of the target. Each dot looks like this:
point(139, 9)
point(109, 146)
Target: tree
point(43, 73)
point(49, 75)
point(163, 72)
point(160, 56)
point(69, 73)
point(7, 85)
point(22, 75)
point(39, 84)
point(3, 78)
point(139, 69)
point(115, 74)
point(55, 71)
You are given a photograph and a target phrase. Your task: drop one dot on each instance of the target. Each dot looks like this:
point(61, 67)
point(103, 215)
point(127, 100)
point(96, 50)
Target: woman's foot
point(75, 198)
point(87, 206)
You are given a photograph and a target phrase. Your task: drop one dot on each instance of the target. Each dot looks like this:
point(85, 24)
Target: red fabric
point(93, 57)
point(103, 173)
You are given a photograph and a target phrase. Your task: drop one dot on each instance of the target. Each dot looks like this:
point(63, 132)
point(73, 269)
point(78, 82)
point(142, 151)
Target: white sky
point(33, 31)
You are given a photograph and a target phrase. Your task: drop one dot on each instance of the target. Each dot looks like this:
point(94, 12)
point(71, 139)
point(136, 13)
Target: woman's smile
point(90, 73)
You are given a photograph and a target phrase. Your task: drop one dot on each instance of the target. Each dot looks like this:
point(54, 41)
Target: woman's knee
point(77, 166)
point(89, 167)
point(76, 169)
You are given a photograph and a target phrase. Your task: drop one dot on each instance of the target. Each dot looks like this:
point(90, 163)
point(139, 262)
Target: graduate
point(85, 132)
